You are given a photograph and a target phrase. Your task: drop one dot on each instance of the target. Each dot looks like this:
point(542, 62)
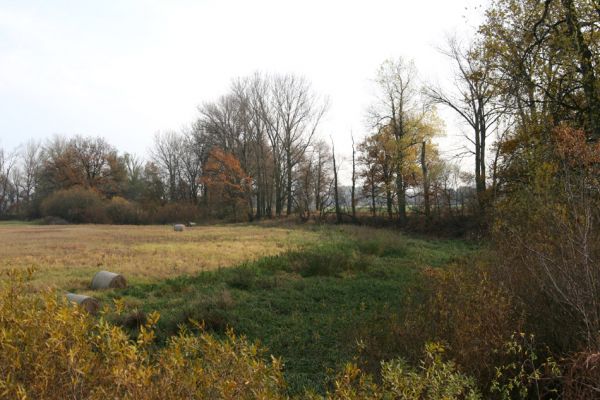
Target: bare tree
point(322, 171)
point(473, 100)
point(31, 159)
point(191, 154)
point(353, 190)
point(425, 172)
point(166, 154)
point(134, 166)
point(8, 162)
point(298, 111)
point(336, 196)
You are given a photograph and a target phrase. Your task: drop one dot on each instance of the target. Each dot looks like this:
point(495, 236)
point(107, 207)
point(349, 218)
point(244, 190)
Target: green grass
point(303, 305)
point(16, 223)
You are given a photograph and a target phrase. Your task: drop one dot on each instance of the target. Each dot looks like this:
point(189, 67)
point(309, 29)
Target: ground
point(309, 294)
point(67, 256)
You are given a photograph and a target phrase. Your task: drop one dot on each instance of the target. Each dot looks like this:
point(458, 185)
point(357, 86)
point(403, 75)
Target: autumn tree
point(377, 172)
point(227, 185)
point(88, 162)
point(397, 99)
point(268, 122)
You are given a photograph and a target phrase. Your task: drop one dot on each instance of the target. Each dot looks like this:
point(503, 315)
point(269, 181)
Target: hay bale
point(191, 224)
point(88, 303)
point(108, 280)
point(178, 227)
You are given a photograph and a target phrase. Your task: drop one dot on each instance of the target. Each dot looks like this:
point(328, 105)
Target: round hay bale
point(88, 303)
point(108, 280)
point(178, 227)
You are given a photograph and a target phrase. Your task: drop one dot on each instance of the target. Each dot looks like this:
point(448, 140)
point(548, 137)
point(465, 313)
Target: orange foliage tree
point(227, 186)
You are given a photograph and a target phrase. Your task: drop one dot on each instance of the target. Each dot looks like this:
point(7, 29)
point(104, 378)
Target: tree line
point(255, 152)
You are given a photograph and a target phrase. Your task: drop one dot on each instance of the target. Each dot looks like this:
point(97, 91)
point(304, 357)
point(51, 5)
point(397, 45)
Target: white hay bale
point(88, 303)
point(191, 224)
point(108, 280)
point(178, 227)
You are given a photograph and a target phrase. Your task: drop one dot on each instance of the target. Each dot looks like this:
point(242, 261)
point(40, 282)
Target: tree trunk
point(587, 69)
point(401, 194)
point(353, 199)
point(425, 182)
point(289, 183)
point(373, 209)
point(338, 212)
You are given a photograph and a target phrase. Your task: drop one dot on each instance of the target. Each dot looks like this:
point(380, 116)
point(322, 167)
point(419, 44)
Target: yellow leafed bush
point(50, 349)
point(433, 379)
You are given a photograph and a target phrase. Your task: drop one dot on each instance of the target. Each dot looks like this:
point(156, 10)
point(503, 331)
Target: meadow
point(312, 295)
point(67, 256)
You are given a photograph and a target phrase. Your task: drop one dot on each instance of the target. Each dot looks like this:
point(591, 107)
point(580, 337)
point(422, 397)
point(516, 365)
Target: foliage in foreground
point(434, 379)
point(53, 350)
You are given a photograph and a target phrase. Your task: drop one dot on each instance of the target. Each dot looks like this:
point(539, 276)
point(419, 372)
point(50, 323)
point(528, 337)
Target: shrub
point(242, 278)
point(459, 306)
point(53, 350)
point(53, 221)
point(326, 260)
point(469, 311)
point(582, 380)
point(526, 375)
point(212, 312)
point(176, 213)
point(434, 379)
point(121, 211)
point(77, 205)
point(547, 231)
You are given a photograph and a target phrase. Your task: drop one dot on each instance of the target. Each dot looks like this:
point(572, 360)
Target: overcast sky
point(125, 69)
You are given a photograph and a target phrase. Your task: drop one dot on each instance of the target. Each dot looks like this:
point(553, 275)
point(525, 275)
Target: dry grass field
point(66, 257)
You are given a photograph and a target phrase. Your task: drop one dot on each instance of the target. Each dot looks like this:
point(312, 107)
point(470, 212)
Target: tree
point(134, 168)
point(424, 170)
point(166, 155)
point(397, 100)
point(370, 172)
point(88, 162)
point(473, 99)
point(7, 189)
point(298, 113)
point(376, 158)
point(353, 190)
point(227, 183)
point(336, 196)
point(31, 162)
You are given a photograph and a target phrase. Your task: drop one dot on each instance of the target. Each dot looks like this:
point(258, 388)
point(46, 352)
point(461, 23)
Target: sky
point(127, 69)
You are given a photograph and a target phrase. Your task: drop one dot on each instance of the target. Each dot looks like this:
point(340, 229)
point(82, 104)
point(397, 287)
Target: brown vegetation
point(69, 256)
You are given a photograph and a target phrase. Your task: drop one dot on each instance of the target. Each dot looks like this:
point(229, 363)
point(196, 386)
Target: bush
point(242, 278)
point(54, 350)
point(53, 221)
point(211, 312)
point(459, 306)
point(121, 211)
point(325, 260)
point(547, 230)
point(434, 379)
point(176, 213)
point(468, 310)
point(78, 205)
